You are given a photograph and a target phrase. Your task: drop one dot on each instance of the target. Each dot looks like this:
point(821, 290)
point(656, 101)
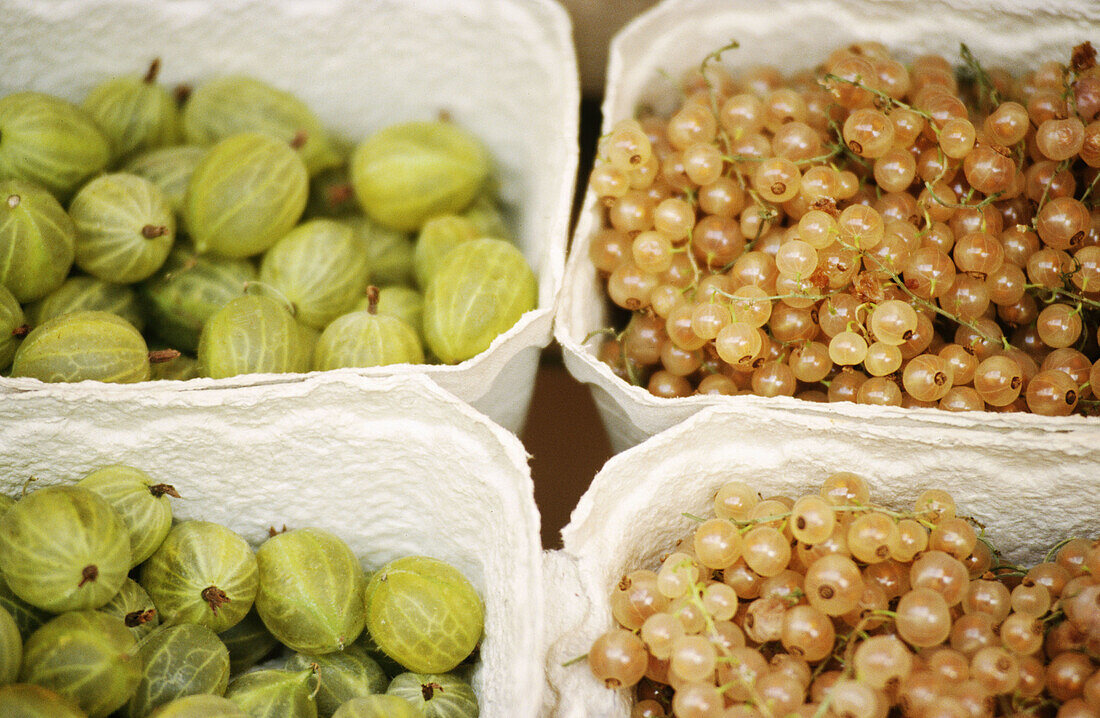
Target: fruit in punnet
point(311, 591)
point(83, 345)
point(134, 112)
point(424, 613)
point(64, 548)
point(141, 503)
point(178, 661)
point(405, 174)
point(248, 191)
point(37, 240)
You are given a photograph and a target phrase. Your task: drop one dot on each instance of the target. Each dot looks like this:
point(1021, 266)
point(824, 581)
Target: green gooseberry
point(134, 112)
point(330, 194)
point(180, 368)
point(134, 608)
point(320, 268)
point(389, 252)
point(188, 289)
point(436, 695)
point(124, 228)
point(399, 301)
point(28, 618)
point(251, 334)
point(486, 214)
point(26, 700)
point(13, 326)
point(51, 142)
point(389, 666)
point(382, 706)
point(179, 661)
point(248, 642)
point(200, 706)
point(344, 675)
point(63, 548)
point(86, 656)
point(366, 338)
point(274, 693)
point(141, 502)
point(481, 289)
point(408, 173)
point(6, 502)
point(170, 169)
point(201, 573)
point(247, 192)
point(311, 591)
point(11, 648)
point(436, 239)
point(83, 345)
point(230, 105)
point(424, 613)
point(37, 240)
point(79, 293)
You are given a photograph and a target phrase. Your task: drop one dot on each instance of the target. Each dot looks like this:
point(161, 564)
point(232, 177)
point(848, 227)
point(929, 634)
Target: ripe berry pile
point(892, 234)
point(832, 606)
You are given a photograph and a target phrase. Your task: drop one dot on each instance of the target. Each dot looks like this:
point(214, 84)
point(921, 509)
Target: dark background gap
point(564, 433)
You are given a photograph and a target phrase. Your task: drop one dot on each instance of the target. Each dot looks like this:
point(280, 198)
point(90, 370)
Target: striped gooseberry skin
point(275, 692)
point(12, 326)
point(482, 288)
point(80, 293)
point(124, 228)
point(135, 113)
point(88, 657)
point(403, 593)
point(141, 503)
point(179, 661)
point(51, 142)
point(436, 695)
point(188, 289)
point(486, 214)
point(251, 334)
point(248, 642)
point(63, 548)
point(27, 699)
point(134, 608)
point(377, 706)
point(407, 173)
point(170, 169)
point(202, 573)
point(27, 617)
point(320, 268)
point(348, 674)
point(83, 345)
point(389, 252)
point(230, 105)
point(363, 339)
point(248, 191)
point(37, 240)
point(311, 591)
point(436, 239)
point(11, 648)
point(203, 705)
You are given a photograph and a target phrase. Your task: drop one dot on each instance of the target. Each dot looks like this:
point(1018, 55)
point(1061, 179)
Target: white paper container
point(1030, 490)
point(394, 466)
point(675, 36)
point(503, 69)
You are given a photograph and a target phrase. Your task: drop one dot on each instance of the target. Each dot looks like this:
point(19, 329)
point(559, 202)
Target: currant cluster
point(892, 234)
point(829, 605)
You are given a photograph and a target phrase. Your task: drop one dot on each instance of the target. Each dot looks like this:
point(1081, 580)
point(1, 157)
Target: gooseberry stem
point(153, 71)
point(372, 299)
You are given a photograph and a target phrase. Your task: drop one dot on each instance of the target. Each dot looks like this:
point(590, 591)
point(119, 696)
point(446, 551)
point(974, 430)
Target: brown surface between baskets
point(567, 443)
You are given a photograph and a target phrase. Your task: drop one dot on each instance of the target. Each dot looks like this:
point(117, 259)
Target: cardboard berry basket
point(1029, 491)
point(504, 70)
point(646, 60)
point(394, 466)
